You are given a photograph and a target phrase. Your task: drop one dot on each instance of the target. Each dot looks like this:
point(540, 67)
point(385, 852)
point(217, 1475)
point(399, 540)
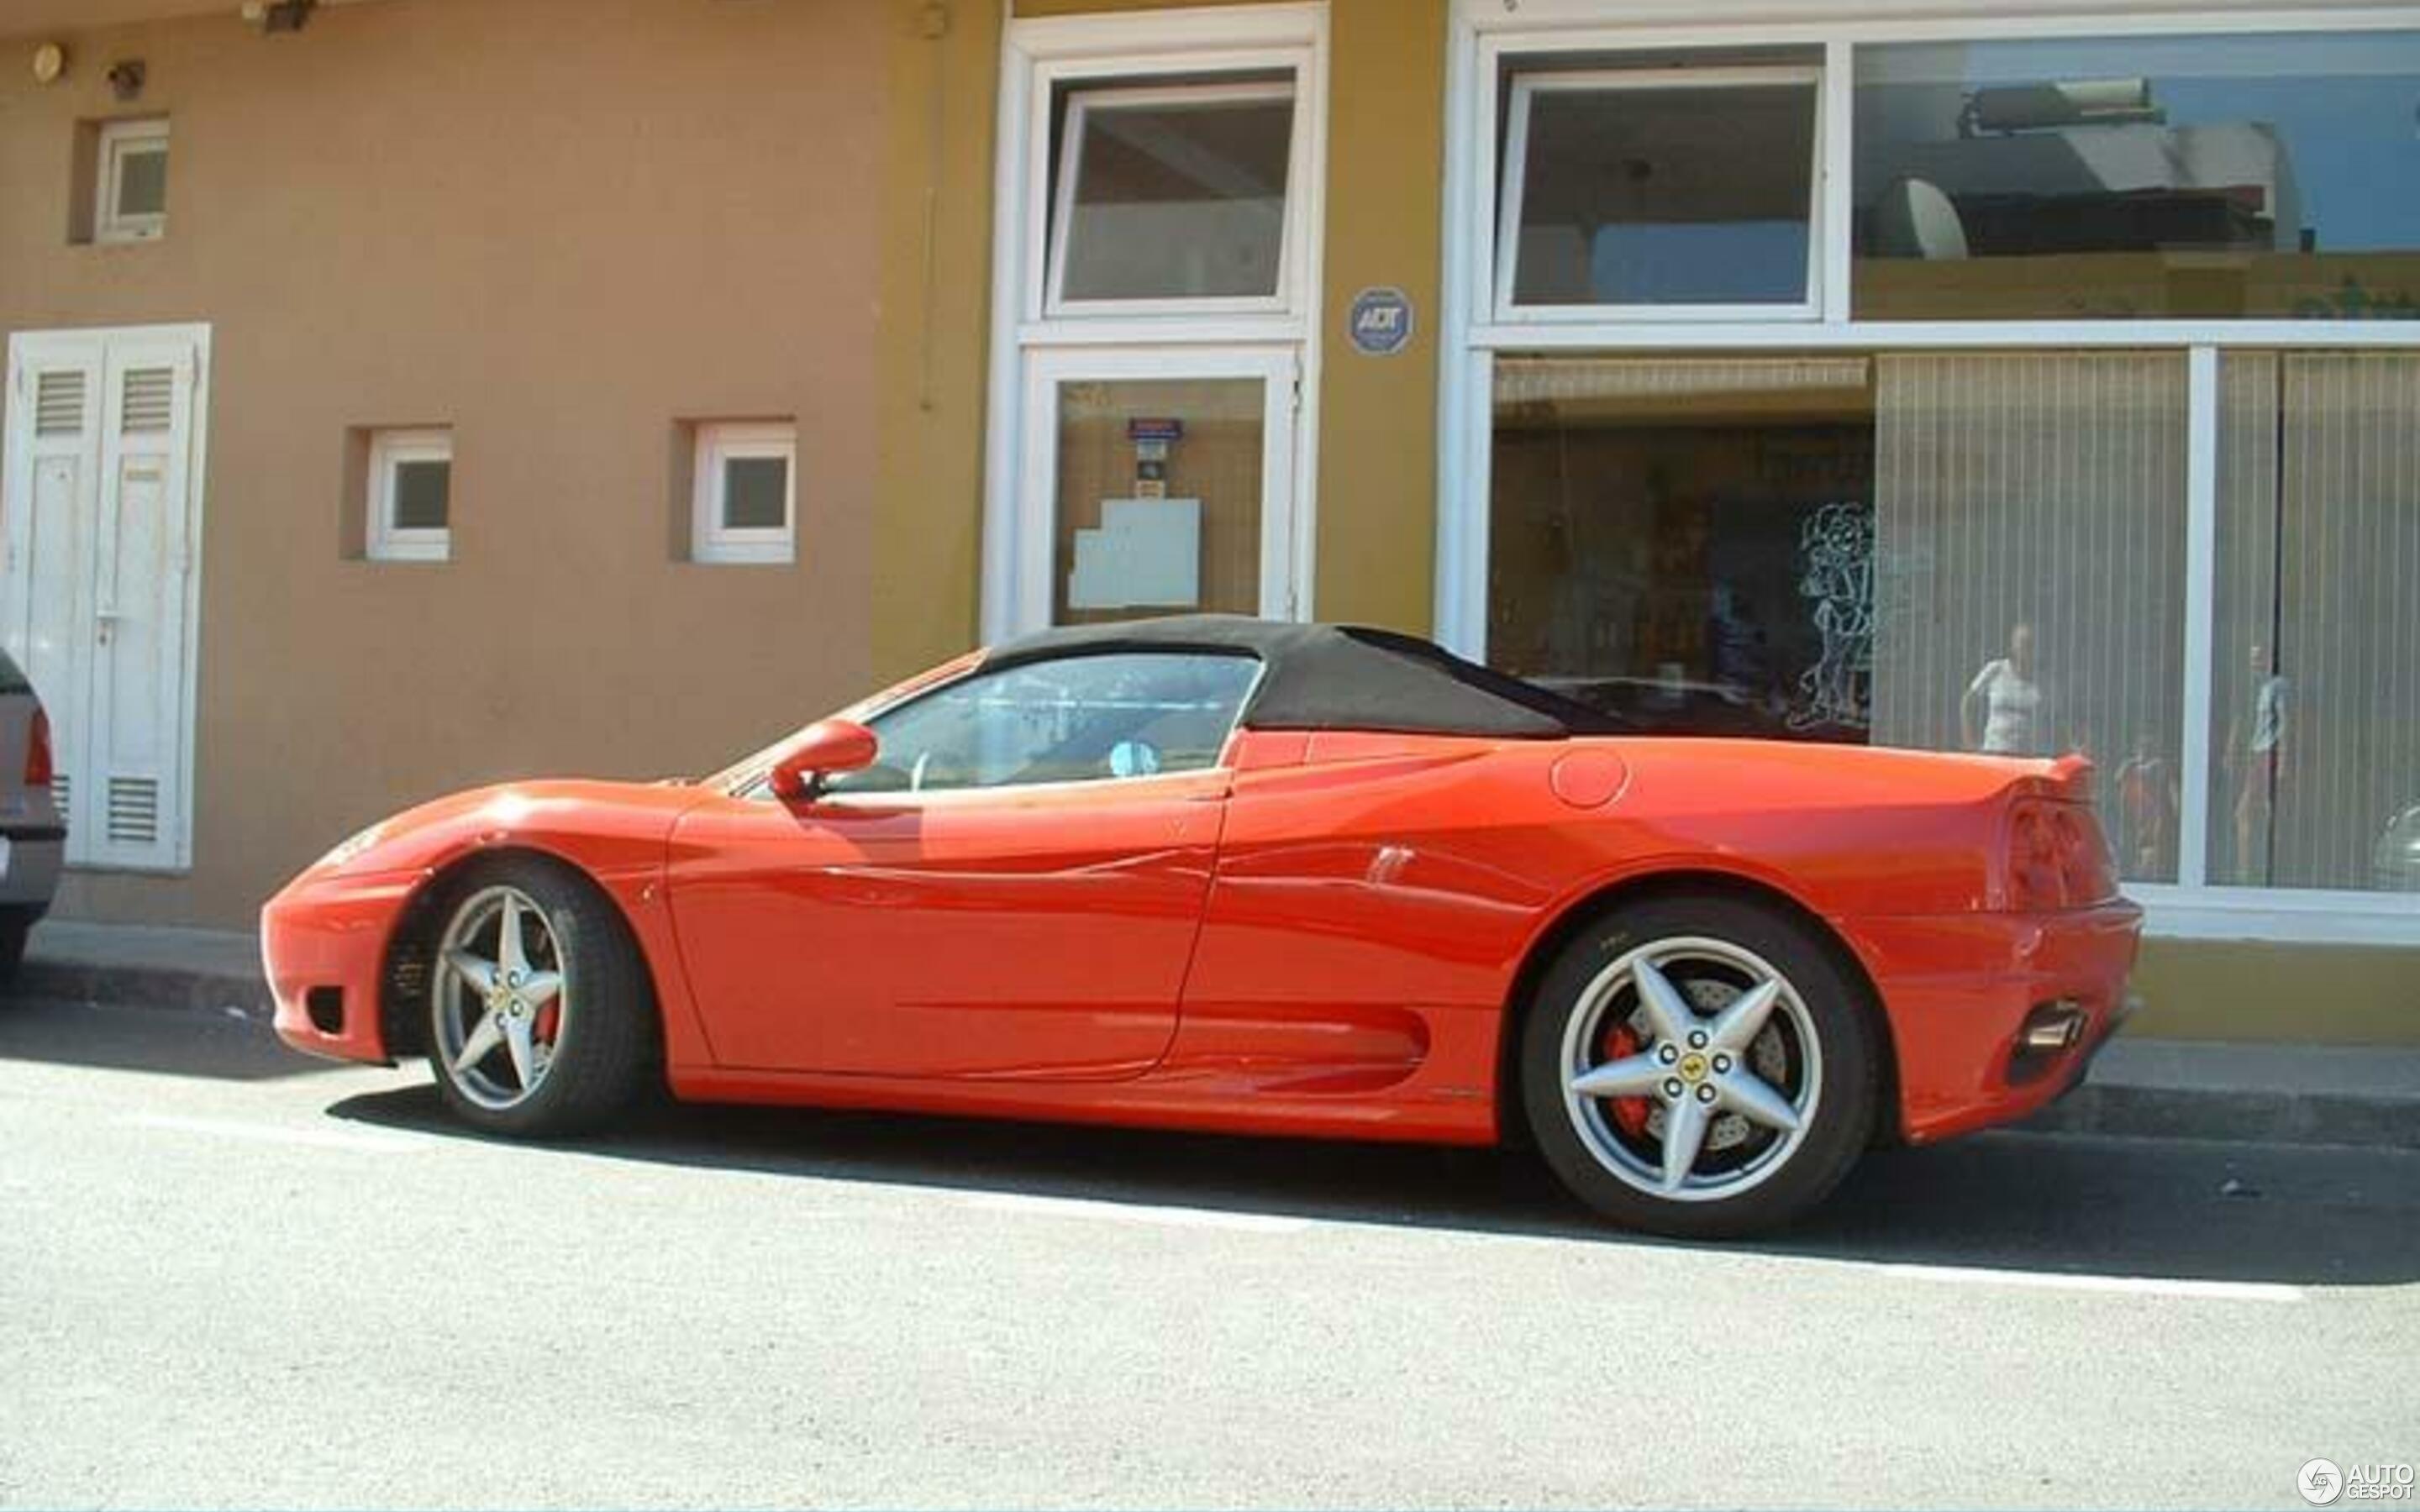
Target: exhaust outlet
point(2052, 1026)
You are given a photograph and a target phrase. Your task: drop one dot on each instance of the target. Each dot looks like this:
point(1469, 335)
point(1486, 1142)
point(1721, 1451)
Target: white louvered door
point(101, 518)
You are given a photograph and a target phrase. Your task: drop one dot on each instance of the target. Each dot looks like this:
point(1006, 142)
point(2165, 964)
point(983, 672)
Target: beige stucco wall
point(558, 226)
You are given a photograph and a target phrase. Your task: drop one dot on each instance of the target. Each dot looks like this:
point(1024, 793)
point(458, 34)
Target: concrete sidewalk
point(2164, 1089)
point(146, 965)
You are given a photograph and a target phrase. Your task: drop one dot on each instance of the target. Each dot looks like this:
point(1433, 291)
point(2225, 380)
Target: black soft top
point(1336, 677)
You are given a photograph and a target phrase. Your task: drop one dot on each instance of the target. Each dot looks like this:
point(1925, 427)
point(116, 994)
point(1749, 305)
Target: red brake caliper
point(1629, 1113)
point(550, 1018)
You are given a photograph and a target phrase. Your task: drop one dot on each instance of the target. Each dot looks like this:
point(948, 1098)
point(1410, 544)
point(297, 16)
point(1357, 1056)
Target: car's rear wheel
point(1700, 1066)
point(541, 1019)
point(16, 925)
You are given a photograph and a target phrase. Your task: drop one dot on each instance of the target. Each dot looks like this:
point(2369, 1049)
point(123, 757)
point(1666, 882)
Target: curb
point(2129, 1111)
point(149, 986)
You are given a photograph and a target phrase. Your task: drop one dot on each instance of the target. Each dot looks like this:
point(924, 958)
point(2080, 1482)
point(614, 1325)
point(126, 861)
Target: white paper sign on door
point(1146, 554)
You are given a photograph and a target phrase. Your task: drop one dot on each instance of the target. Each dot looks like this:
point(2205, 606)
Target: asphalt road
point(231, 1276)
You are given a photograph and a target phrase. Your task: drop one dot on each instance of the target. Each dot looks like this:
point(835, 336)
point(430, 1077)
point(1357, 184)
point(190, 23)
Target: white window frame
point(119, 140)
point(1272, 367)
point(1081, 106)
point(1487, 39)
point(1041, 59)
point(1528, 87)
point(389, 449)
point(722, 442)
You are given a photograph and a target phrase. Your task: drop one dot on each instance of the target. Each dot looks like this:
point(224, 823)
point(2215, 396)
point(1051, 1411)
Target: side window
point(1077, 718)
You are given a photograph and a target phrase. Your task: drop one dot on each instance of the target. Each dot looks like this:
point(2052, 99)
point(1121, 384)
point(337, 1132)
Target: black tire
point(16, 925)
point(608, 1053)
point(1776, 1185)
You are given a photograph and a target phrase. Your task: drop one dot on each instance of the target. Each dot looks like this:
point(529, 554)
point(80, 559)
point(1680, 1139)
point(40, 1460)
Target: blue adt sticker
point(1381, 322)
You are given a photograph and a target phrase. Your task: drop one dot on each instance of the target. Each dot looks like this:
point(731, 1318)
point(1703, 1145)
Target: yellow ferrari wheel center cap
point(1693, 1066)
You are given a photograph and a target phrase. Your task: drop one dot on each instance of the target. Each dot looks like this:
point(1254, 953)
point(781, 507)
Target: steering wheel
point(916, 774)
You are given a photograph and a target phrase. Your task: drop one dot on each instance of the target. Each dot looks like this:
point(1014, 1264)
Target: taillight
point(38, 752)
point(2056, 858)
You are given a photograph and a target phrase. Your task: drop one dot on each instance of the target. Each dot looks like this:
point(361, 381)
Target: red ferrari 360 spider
point(1224, 873)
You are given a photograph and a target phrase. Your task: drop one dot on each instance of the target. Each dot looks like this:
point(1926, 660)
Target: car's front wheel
point(1700, 1066)
point(540, 1013)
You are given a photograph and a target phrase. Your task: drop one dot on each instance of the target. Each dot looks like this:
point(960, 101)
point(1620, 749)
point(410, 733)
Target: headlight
point(354, 847)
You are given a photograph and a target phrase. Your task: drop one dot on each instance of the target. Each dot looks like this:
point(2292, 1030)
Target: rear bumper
point(31, 872)
point(1960, 989)
point(322, 946)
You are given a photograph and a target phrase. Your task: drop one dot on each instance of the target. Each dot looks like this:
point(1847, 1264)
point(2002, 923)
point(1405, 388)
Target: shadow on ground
point(2025, 1201)
point(222, 1046)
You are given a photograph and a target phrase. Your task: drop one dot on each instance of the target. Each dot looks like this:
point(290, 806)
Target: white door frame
point(93, 346)
point(1039, 56)
point(1037, 524)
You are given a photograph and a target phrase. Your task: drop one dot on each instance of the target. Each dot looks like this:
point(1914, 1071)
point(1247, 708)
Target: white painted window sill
point(2173, 912)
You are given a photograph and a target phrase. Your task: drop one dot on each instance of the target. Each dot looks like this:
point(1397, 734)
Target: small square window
point(132, 203)
point(745, 504)
point(411, 495)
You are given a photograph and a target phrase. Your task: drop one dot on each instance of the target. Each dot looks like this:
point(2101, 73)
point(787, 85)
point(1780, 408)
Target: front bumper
point(1960, 989)
point(323, 945)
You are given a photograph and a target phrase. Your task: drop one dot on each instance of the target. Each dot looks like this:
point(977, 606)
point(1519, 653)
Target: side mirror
point(820, 750)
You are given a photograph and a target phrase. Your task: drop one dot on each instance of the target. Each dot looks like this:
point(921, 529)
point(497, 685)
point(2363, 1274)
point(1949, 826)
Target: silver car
point(32, 835)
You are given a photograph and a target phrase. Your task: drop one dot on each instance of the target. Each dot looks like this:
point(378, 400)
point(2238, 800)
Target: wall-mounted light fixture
point(272, 16)
point(126, 78)
point(49, 61)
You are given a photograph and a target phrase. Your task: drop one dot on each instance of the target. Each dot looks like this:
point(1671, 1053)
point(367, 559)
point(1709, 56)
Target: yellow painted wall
point(944, 74)
point(1378, 439)
point(2311, 994)
point(1376, 480)
point(1376, 493)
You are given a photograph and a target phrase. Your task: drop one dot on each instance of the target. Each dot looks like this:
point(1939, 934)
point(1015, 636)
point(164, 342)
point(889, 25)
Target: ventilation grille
point(150, 395)
point(59, 402)
point(133, 811)
point(62, 797)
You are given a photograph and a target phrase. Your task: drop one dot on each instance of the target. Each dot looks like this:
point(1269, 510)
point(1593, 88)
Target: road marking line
point(1133, 1213)
point(2145, 1286)
point(368, 1141)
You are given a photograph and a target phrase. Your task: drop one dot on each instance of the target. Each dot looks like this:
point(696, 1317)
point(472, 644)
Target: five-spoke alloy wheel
point(500, 1007)
point(541, 1020)
point(1699, 1065)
